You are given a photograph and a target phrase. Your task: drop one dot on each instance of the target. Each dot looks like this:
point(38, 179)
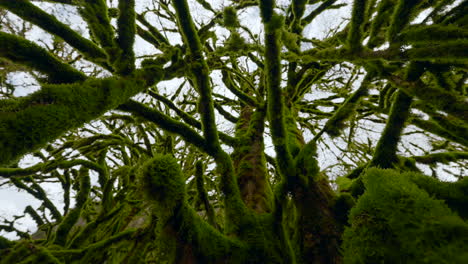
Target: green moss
point(336, 123)
point(38, 192)
point(306, 163)
point(113, 12)
point(385, 151)
point(276, 23)
point(26, 10)
point(342, 205)
point(5, 243)
point(198, 239)
point(35, 216)
point(236, 43)
point(453, 193)
point(64, 228)
point(394, 221)
point(276, 110)
point(441, 157)
point(298, 8)
point(230, 19)
point(385, 97)
point(343, 183)
point(25, 52)
point(290, 40)
point(16, 253)
point(266, 10)
point(48, 113)
point(384, 10)
point(163, 184)
point(404, 12)
point(448, 51)
point(433, 34)
point(355, 26)
point(95, 14)
point(249, 160)
point(199, 73)
point(436, 129)
point(357, 187)
point(456, 16)
point(125, 63)
point(203, 195)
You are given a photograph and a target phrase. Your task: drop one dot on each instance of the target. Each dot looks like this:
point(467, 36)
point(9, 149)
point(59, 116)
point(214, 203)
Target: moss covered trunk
point(249, 160)
point(318, 234)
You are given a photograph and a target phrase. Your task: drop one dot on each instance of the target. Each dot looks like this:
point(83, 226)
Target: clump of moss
point(394, 221)
point(290, 40)
point(236, 43)
point(230, 19)
point(163, 184)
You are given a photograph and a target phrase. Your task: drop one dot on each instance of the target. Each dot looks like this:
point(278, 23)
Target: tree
point(183, 175)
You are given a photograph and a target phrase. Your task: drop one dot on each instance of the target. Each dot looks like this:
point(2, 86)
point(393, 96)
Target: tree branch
point(25, 52)
point(167, 123)
point(275, 104)
point(30, 122)
point(29, 12)
point(126, 29)
point(200, 74)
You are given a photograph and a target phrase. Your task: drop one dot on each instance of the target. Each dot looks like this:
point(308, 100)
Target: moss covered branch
point(447, 52)
point(443, 157)
point(324, 6)
point(199, 73)
point(203, 195)
point(34, 215)
point(438, 98)
point(94, 12)
point(335, 124)
point(32, 121)
point(356, 24)
point(49, 166)
point(70, 219)
point(384, 11)
point(276, 104)
point(159, 38)
point(29, 12)
point(163, 184)
point(235, 90)
point(25, 52)
point(167, 123)
point(434, 128)
point(402, 15)
point(189, 119)
point(385, 154)
point(126, 29)
point(38, 193)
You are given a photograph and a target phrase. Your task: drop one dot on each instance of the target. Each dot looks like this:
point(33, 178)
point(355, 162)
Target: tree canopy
point(236, 132)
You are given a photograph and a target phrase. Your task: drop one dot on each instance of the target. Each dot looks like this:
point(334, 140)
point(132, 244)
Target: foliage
point(234, 132)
